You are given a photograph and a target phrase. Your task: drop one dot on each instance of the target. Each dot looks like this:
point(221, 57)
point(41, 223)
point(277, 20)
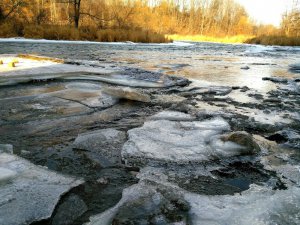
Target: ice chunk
point(173, 116)
point(256, 206)
point(6, 175)
point(181, 142)
point(32, 191)
point(146, 203)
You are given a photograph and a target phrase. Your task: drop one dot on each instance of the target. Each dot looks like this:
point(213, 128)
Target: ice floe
point(26, 66)
point(172, 116)
point(29, 193)
point(182, 142)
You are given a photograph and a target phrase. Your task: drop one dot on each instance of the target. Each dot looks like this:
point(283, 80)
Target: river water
point(235, 87)
point(210, 63)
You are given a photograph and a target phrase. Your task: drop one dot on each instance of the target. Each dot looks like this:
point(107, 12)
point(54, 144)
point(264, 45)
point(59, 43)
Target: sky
point(266, 11)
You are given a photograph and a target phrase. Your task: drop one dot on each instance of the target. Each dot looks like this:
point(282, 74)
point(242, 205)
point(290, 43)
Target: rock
point(127, 93)
point(102, 146)
point(245, 68)
point(278, 137)
point(244, 139)
point(172, 116)
point(295, 68)
point(6, 148)
point(71, 209)
point(244, 89)
point(180, 142)
point(276, 79)
point(32, 191)
point(289, 137)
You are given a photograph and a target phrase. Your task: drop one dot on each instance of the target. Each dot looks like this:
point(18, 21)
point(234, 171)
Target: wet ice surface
point(181, 142)
point(180, 153)
point(28, 192)
point(255, 206)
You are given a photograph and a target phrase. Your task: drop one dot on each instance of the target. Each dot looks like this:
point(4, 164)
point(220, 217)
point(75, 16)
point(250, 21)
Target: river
point(180, 133)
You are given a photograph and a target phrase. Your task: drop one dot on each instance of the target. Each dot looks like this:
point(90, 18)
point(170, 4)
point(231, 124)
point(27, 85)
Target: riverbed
point(177, 133)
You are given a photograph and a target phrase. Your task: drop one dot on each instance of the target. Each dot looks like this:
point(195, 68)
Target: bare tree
point(8, 8)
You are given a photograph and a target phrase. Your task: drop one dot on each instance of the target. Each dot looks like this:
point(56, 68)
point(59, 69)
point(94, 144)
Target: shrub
point(55, 32)
point(275, 40)
point(8, 30)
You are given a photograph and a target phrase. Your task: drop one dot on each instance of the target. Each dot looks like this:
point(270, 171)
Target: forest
point(142, 21)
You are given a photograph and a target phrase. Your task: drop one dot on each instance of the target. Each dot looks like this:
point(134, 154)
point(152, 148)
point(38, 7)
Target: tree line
point(91, 18)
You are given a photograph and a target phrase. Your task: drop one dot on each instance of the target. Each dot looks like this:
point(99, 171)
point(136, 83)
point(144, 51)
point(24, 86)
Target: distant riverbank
point(55, 32)
point(262, 40)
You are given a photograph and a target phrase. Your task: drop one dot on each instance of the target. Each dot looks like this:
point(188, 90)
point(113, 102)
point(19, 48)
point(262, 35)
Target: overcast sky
point(266, 11)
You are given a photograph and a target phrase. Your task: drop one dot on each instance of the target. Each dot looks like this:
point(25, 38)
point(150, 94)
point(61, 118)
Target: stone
point(288, 137)
point(31, 192)
point(245, 68)
point(276, 79)
point(244, 139)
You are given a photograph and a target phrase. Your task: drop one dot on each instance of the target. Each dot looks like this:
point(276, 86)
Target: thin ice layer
point(29, 193)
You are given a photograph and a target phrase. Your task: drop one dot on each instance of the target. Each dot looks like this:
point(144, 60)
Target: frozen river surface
point(103, 135)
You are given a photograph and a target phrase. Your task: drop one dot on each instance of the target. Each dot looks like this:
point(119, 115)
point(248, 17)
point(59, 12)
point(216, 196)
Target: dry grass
point(202, 38)
point(275, 40)
point(53, 32)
